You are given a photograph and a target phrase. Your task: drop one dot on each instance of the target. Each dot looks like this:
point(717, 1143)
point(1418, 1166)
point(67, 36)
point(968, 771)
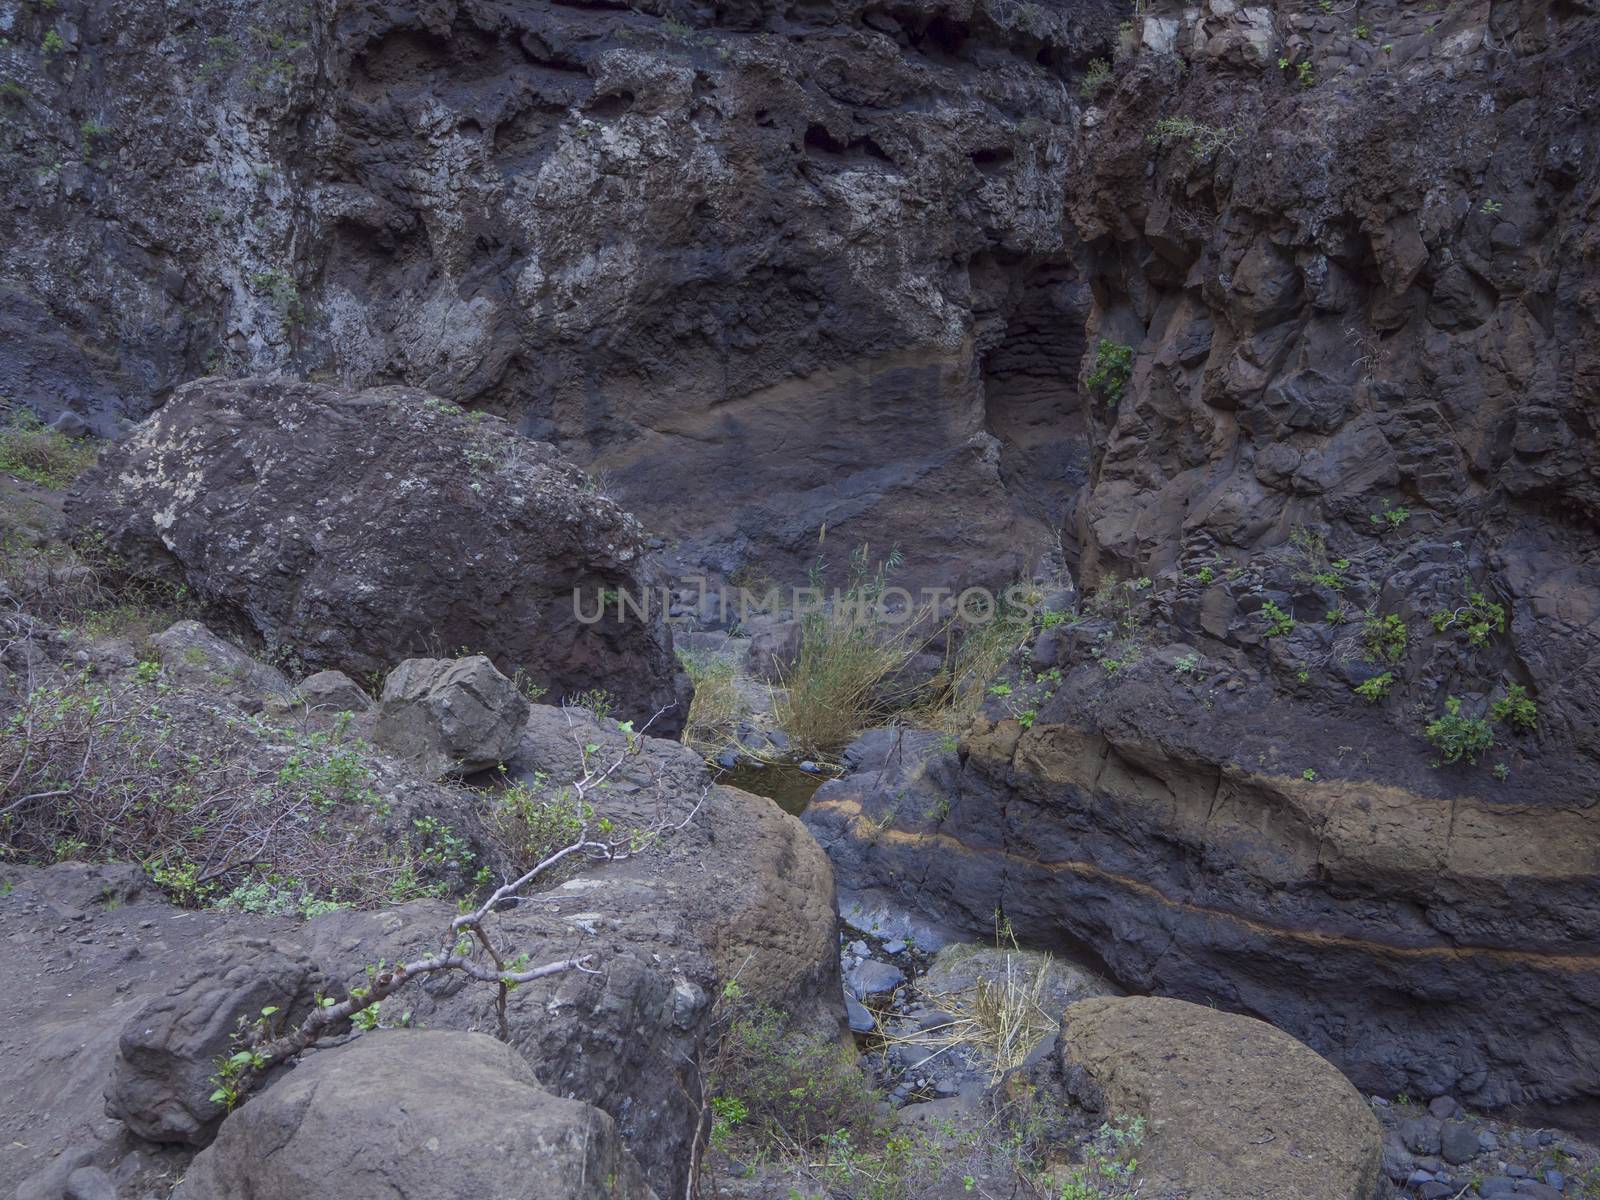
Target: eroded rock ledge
point(1425, 943)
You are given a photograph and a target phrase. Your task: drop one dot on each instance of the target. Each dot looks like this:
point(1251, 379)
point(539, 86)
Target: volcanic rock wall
point(759, 267)
point(1351, 255)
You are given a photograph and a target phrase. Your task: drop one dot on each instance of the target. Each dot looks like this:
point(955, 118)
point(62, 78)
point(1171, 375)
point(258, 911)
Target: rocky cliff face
point(1287, 326)
point(1343, 270)
point(767, 269)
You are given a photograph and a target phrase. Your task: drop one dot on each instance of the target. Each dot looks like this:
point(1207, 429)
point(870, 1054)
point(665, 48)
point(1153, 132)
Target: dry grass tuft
point(30, 451)
point(714, 711)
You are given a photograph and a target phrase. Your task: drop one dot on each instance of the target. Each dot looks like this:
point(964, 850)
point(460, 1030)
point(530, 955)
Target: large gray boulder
point(353, 529)
point(415, 1115)
point(450, 716)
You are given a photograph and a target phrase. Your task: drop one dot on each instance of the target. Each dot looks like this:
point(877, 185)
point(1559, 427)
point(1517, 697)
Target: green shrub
point(1203, 141)
point(1095, 78)
point(207, 801)
point(1516, 708)
point(1279, 623)
point(1385, 638)
point(30, 451)
point(1457, 737)
point(1113, 367)
point(802, 1089)
point(529, 822)
point(1478, 618)
point(1389, 519)
point(1375, 689)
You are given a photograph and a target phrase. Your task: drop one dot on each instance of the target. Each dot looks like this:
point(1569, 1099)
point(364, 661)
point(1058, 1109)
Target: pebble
point(873, 978)
point(1556, 1180)
point(894, 947)
point(860, 1019)
point(1443, 1107)
point(810, 768)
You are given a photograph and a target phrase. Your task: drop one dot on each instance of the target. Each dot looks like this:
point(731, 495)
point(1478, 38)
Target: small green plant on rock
point(1113, 367)
point(1279, 622)
point(1385, 637)
point(1457, 737)
point(1095, 78)
point(1388, 519)
point(280, 288)
point(51, 44)
point(1480, 617)
point(1203, 142)
point(1375, 689)
point(1188, 664)
point(1516, 708)
point(1109, 1170)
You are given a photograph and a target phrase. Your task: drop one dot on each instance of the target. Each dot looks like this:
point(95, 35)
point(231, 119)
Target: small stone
point(873, 979)
point(1436, 1190)
point(1555, 1179)
point(860, 1018)
point(1496, 1185)
point(1458, 1143)
point(1443, 1107)
point(810, 768)
point(1538, 1191)
point(894, 947)
point(728, 759)
point(1518, 1172)
point(1487, 1141)
point(1420, 1135)
point(1418, 1178)
point(90, 1183)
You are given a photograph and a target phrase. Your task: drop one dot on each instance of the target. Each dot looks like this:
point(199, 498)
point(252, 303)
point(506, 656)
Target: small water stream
point(786, 783)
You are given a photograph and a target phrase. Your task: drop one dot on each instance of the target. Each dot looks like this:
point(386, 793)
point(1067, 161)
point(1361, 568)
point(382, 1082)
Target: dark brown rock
point(351, 530)
point(1230, 1105)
